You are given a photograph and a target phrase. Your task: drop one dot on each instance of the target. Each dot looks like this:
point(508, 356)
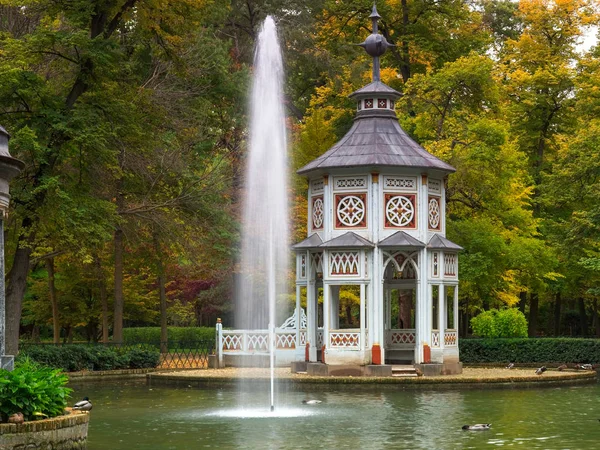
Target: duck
point(587, 367)
point(562, 367)
point(541, 370)
point(311, 402)
point(511, 366)
point(477, 427)
point(83, 405)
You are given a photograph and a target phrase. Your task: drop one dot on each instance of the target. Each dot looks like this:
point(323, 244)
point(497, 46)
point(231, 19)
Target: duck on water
point(477, 427)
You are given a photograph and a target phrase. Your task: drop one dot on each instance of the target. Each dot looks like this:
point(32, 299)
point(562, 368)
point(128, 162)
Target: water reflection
point(135, 417)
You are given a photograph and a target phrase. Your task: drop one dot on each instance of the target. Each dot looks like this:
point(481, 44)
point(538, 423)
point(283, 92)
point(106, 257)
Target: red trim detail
point(376, 354)
point(426, 354)
point(307, 352)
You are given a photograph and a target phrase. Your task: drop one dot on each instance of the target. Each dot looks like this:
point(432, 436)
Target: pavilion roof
point(347, 240)
point(376, 140)
point(313, 241)
point(401, 239)
point(441, 243)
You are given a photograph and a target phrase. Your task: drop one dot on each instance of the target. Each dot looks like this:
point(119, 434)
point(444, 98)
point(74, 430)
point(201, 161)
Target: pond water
point(131, 415)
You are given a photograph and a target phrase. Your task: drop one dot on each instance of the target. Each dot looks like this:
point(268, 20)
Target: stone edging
point(428, 382)
point(68, 432)
point(88, 375)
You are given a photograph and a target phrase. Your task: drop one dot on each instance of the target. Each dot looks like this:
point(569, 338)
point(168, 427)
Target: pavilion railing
point(401, 338)
point(347, 338)
point(451, 338)
point(256, 341)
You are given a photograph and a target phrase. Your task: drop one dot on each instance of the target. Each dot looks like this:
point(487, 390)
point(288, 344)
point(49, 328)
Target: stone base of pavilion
point(381, 370)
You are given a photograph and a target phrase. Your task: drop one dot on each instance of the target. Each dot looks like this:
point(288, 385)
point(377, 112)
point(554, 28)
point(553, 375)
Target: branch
point(114, 23)
point(58, 54)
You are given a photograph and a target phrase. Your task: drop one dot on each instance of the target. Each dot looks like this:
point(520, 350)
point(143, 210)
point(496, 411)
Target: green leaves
point(34, 390)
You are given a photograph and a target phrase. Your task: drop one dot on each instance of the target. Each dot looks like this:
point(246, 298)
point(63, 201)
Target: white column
point(298, 316)
point(328, 215)
point(362, 316)
point(441, 314)
point(423, 309)
point(326, 314)
point(311, 319)
point(455, 312)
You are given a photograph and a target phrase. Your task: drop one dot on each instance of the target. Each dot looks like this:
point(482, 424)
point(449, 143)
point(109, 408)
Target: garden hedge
point(72, 358)
point(530, 350)
point(178, 336)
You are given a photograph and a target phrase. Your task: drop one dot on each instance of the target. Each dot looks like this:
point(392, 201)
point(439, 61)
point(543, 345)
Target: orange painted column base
point(307, 352)
point(426, 353)
point(376, 354)
point(323, 354)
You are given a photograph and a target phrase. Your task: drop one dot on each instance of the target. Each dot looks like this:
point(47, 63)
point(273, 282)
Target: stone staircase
point(404, 371)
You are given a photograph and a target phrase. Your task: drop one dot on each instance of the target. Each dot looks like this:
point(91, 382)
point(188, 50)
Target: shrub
point(530, 350)
point(511, 323)
point(484, 324)
point(140, 358)
point(72, 358)
point(33, 390)
point(177, 336)
point(505, 323)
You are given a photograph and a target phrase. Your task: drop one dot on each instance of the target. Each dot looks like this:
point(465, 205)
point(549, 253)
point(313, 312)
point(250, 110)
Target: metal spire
point(375, 45)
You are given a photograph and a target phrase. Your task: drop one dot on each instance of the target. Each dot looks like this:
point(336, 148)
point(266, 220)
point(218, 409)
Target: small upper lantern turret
point(376, 140)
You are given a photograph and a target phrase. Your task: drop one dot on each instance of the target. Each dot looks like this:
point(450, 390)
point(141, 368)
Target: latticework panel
point(451, 338)
point(346, 339)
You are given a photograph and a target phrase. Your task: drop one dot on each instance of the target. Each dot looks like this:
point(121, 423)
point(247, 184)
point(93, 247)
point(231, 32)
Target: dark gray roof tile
point(441, 243)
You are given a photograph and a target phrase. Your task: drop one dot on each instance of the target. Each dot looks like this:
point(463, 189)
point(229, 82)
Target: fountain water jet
point(265, 243)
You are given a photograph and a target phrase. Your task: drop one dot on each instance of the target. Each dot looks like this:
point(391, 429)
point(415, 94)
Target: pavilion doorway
point(400, 306)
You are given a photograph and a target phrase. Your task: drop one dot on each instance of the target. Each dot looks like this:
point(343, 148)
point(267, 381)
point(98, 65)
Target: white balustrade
point(451, 338)
point(404, 338)
point(344, 339)
point(435, 338)
point(257, 341)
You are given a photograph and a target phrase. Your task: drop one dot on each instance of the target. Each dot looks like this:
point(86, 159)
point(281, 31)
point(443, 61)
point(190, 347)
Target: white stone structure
point(376, 222)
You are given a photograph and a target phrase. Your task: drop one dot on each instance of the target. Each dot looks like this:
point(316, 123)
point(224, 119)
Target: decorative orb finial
point(375, 44)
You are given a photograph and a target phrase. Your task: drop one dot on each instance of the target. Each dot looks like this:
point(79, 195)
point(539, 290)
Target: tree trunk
point(533, 314)
point(522, 301)
point(404, 309)
point(583, 326)
point(118, 313)
point(15, 291)
point(35, 334)
point(596, 318)
point(53, 300)
point(405, 50)
point(162, 295)
point(557, 308)
point(103, 298)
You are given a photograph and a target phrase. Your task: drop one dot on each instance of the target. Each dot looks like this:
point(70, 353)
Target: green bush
point(530, 350)
point(72, 358)
point(511, 323)
point(140, 358)
point(33, 390)
point(504, 323)
point(177, 336)
point(484, 324)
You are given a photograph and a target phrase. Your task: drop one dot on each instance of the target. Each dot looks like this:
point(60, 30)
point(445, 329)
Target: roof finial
point(375, 45)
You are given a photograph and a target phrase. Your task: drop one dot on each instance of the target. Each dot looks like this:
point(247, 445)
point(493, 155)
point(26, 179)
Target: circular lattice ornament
point(318, 213)
point(351, 211)
point(434, 213)
point(400, 211)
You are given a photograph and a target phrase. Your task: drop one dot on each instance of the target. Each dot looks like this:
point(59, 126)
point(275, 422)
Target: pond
point(131, 415)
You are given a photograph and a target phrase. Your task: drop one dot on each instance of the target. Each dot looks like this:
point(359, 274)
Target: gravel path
point(475, 374)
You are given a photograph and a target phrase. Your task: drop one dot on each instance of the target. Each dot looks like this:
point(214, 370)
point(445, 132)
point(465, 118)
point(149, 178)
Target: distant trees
point(130, 116)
